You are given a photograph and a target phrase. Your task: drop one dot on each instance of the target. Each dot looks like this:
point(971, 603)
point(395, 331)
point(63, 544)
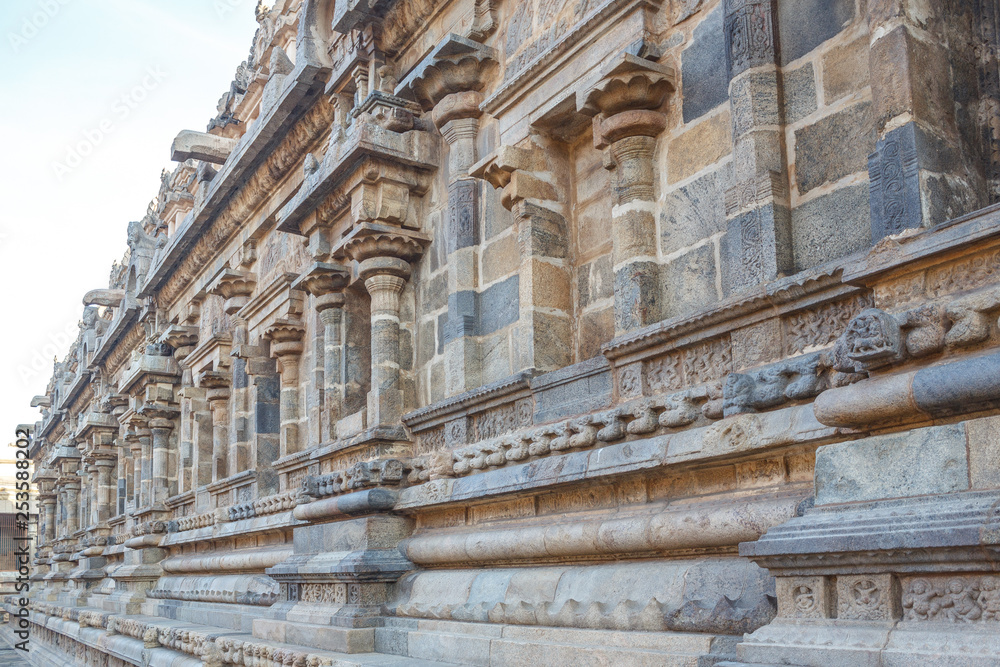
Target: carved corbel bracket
point(627, 99)
point(233, 286)
point(522, 173)
point(182, 339)
point(455, 66)
point(216, 383)
point(325, 282)
point(371, 241)
point(286, 338)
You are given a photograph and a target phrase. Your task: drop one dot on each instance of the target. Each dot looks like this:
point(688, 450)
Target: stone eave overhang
point(916, 249)
point(303, 87)
point(64, 452)
point(481, 398)
point(366, 142)
point(279, 298)
point(96, 420)
point(164, 368)
point(81, 380)
point(197, 356)
point(46, 426)
point(802, 290)
point(113, 335)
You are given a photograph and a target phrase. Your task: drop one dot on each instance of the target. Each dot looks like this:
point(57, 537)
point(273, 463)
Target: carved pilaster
point(449, 82)
point(626, 104)
point(526, 181)
point(384, 258)
point(758, 243)
point(286, 347)
point(326, 283)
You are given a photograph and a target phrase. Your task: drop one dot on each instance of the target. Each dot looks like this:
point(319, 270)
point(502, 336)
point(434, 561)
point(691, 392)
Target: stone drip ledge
point(928, 533)
point(733, 436)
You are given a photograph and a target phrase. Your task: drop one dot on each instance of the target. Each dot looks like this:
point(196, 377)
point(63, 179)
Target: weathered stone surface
point(488, 334)
point(831, 226)
point(689, 282)
point(850, 131)
point(702, 145)
point(920, 462)
point(800, 93)
point(845, 70)
point(693, 212)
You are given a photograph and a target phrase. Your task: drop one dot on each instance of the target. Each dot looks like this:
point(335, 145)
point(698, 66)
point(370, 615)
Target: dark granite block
point(833, 147)
point(894, 180)
point(705, 83)
point(498, 306)
point(268, 418)
point(805, 24)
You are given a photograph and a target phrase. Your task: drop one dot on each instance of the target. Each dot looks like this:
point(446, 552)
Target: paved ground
point(11, 657)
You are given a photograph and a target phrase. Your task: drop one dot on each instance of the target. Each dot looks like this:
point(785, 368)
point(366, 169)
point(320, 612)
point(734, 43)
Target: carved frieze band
point(884, 597)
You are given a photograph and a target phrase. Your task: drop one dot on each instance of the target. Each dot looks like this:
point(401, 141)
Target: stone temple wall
point(549, 332)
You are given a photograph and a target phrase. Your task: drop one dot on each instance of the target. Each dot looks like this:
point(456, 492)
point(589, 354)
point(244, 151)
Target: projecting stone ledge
point(201, 146)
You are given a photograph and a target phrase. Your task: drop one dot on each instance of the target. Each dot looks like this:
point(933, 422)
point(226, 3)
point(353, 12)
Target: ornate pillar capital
point(233, 286)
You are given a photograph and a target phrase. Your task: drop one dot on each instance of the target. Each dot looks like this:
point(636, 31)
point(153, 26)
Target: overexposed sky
point(92, 92)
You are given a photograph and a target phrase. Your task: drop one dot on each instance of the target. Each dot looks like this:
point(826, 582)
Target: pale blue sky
point(92, 92)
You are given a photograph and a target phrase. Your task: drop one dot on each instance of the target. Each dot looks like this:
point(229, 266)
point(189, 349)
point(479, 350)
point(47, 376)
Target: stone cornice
point(802, 290)
point(206, 347)
point(276, 300)
point(261, 159)
point(367, 153)
point(481, 398)
point(913, 250)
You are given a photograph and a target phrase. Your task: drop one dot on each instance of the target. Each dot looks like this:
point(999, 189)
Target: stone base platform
point(399, 642)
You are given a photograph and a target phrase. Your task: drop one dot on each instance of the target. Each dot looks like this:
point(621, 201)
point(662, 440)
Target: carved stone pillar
point(449, 80)
point(326, 282)
point(144, 466)
point(88, 499)
point(217, 394)
point(48, 503)
point(626, 105)
point(71, 503)
point(161, 426)
point(105, 505)
point(183, 340)
point(758, 243)
point(134, 472)
point(286, 348)
point(384, 266)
